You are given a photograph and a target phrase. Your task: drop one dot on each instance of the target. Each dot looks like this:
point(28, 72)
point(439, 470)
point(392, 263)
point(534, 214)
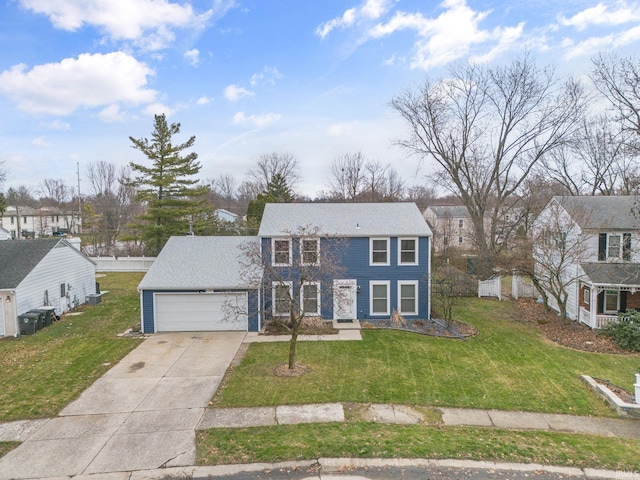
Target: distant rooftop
point(450, 211)
point(598, 212)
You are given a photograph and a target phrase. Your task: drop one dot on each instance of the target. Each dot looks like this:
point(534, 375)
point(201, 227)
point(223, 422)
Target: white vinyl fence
point(123, 264)
point(521, 289)
point(490, 288)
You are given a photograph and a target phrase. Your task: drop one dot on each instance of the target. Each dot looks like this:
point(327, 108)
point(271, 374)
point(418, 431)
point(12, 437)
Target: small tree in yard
point(298, 275)
point(558, 248)
point(448, 286)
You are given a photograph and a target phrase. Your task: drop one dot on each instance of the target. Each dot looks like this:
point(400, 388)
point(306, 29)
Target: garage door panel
point(182, 312)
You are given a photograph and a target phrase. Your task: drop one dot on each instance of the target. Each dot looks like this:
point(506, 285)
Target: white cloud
point(112, 114)
point(233, 93)
point(602, 15)
point(158, 109)
point(436, 46)
point(596, 44)
point(91, 80)
point(268, 74)
point(192, 56)
point(203, 101)
point(148, 23)
point(259, 121)
point(370, 10)
point(41, 142)
point(340, 129)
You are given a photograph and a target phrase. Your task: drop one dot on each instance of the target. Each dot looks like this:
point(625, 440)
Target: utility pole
point(79, 229)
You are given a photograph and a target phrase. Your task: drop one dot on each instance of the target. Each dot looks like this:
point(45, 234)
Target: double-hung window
point(281, 248)
point(408, 297)
point(309, 251)
point(614, 244)
point(379, 303)
point(310, 300)
point(281, 293)
point(379, 251)
point(407, 251)
point(611, 301)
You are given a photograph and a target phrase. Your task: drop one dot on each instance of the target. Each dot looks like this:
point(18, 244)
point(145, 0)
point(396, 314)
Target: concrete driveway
point(140, 415)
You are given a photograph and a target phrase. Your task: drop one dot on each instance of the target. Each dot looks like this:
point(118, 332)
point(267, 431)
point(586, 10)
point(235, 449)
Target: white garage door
point(200, 312)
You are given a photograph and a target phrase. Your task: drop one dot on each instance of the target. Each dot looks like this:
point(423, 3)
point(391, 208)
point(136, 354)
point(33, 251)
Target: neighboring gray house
point(195, 284)
point(451, 226)
point(35, 273)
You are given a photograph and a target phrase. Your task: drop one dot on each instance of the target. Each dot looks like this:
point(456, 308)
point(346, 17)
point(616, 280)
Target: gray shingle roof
point(602, 212)
point(198, 263)
point(450, 211)
point(613, 273)
point(19, 257)
point(344, 219)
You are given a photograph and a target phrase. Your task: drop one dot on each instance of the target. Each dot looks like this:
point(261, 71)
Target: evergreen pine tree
point(168, 188)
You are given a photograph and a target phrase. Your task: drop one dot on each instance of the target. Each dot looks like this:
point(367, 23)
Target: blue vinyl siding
point(148, 317)
point(355, 260)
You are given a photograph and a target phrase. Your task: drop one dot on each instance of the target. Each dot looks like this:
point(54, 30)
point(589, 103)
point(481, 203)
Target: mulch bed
point(621, 393)
point(434, 327)
point(569, 334)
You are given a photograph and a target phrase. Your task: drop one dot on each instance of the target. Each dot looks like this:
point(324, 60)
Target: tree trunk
point(292, 350)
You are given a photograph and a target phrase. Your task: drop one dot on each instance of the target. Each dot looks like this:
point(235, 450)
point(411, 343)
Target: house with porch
point(605, 271)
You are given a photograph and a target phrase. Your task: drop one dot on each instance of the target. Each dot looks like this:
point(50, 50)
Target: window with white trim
point(461, 223)
point(614, 246)
point(310, 298)
point(281, 295)
point(309, 251)
point(408, 297)
point(379, 248)
point(407, 251)
point(611, 301)
point(281, 248)
point(379, 303)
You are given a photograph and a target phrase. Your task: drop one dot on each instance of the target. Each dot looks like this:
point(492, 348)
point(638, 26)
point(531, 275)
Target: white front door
point(345, 299)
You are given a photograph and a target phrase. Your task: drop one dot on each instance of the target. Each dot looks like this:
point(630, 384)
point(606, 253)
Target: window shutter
point(626, 247)
point(602, 247)
point(623, 301)
point(600, 308)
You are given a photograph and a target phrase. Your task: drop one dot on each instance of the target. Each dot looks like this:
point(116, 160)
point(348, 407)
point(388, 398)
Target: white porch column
point(593, 305)
point(637, 387)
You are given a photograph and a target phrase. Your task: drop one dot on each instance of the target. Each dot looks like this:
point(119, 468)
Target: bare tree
point(422, 195)
point(21, 196)
point(393, 186)
point(559, 246)
point(225, 187)
point(269, 165)
point(618, 80)
point(347, 177)
point(297, 291)
point(487, 128)
point(56, 193)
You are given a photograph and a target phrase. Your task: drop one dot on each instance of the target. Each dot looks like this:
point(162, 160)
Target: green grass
point(40, 374)
point(368, 440)
point(6, 447)
point(508, 366)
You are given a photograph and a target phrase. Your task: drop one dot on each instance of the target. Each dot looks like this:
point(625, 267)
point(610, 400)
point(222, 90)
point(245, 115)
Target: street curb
point(328, 466)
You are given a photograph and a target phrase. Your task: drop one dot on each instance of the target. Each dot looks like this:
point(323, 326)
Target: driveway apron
point(140, 415)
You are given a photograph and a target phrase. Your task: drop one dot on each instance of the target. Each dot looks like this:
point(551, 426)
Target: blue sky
point(313, 78)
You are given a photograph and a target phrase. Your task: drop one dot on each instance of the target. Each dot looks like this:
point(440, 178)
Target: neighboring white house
point(31, 222)
point(4, 234)
point(451, 226)
point(37, 273)
point(603, 273)
point(226, 215)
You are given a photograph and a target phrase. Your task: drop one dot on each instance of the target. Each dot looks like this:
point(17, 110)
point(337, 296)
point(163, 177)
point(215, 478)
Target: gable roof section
point(602, 212)
point(19, 257)
point(612, 273)
point(344, 219)
point(198, 263)
point(450, 211)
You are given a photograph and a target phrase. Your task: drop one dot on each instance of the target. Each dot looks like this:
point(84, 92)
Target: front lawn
point(40, 374)
point(508, 366)
point(370, 440)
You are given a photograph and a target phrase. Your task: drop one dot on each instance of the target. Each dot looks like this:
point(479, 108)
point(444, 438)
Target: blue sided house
point(337, 261)
point(371, 260)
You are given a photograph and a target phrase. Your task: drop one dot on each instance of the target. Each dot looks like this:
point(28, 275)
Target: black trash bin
point(28, 323)
point(41, 318)
point(48, 314)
